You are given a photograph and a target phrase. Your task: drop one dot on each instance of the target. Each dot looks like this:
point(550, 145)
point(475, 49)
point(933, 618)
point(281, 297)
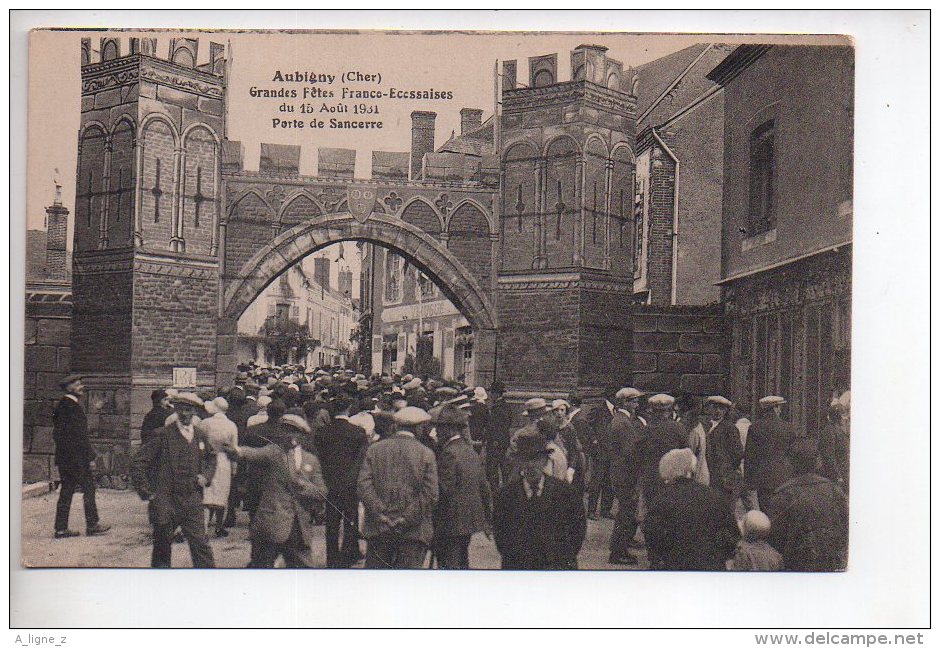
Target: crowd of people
point(414, 467)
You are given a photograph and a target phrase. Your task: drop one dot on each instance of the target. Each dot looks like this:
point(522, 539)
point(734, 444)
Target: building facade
point(300, 318)
point(406, 306)
point(787, 224)
point(679, 178)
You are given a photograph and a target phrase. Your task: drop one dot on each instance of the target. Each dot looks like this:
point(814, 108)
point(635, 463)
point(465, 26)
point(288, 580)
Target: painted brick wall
point(174, 321)
point(250, 228)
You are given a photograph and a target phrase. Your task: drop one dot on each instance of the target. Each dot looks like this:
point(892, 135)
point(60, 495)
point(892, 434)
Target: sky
point(460, 62)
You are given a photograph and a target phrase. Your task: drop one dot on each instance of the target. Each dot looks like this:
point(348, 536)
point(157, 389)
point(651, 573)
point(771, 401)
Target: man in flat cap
point(765, 464)
point(716, 443)
point(534, 410)
point(464, 505)
point(75, 460)
point(663, 434)
point(538, 520)
point(172, 469)
point(627, 434)
point(399, 489)
point(809, 515)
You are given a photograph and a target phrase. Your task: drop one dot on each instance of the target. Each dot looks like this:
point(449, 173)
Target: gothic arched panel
point(156, 201)
point(299, 209)
point(89, 195)
point(621, 212)
point(422, 215)
point(561, 200)
point(200, 202)
point(520, 207)
point(595, 201)
point(122, 184)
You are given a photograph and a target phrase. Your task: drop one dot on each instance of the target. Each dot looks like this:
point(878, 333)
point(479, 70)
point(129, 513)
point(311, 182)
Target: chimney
point(57, 217)
point(422, 139)
point(470, 120)
point(321, 271)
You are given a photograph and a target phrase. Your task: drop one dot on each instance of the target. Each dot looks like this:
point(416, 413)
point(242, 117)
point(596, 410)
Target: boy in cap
point(754, 553)
point(172, 469)
point(399, 489)
point(75, 460)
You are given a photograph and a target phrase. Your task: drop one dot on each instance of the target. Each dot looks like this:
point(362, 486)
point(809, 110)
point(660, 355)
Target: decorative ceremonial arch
point(421, 249)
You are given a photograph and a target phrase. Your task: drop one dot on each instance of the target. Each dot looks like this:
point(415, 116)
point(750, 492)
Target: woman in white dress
point(221, 432)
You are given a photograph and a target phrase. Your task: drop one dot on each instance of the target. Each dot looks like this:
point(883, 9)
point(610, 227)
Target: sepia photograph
point(438, 300)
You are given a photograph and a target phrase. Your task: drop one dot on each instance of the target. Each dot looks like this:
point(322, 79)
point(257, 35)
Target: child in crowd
point(754, 553)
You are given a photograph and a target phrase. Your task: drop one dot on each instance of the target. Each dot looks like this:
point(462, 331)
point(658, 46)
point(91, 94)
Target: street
point(128, 543)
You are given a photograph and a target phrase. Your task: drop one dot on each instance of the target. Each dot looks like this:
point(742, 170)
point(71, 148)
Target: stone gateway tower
point(146, 265)
point(525, 222)
point(566, 271)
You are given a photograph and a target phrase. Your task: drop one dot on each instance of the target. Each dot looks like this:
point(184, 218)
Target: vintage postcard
point(562, 301)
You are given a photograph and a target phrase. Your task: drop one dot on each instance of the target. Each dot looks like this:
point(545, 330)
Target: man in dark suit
point(496, 440)
point(157, 416)
point(688, 526)
point(598, 451)
point(75, 459)
point(463, 507)
point(341, 447)
point(172, 469)
point(765, 463)
point(538, 520)
point(626, 439)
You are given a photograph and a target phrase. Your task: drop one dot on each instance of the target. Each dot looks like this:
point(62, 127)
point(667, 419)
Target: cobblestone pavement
point(128, 542)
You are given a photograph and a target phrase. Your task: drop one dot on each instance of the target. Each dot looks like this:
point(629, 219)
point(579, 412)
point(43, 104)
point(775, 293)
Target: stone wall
point(48, 326)
point(679, 349)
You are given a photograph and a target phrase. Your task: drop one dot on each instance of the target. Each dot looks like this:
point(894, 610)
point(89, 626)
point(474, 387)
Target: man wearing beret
point(538, 520)
point(399, 489)
point(172, 469)
point(75, 460)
